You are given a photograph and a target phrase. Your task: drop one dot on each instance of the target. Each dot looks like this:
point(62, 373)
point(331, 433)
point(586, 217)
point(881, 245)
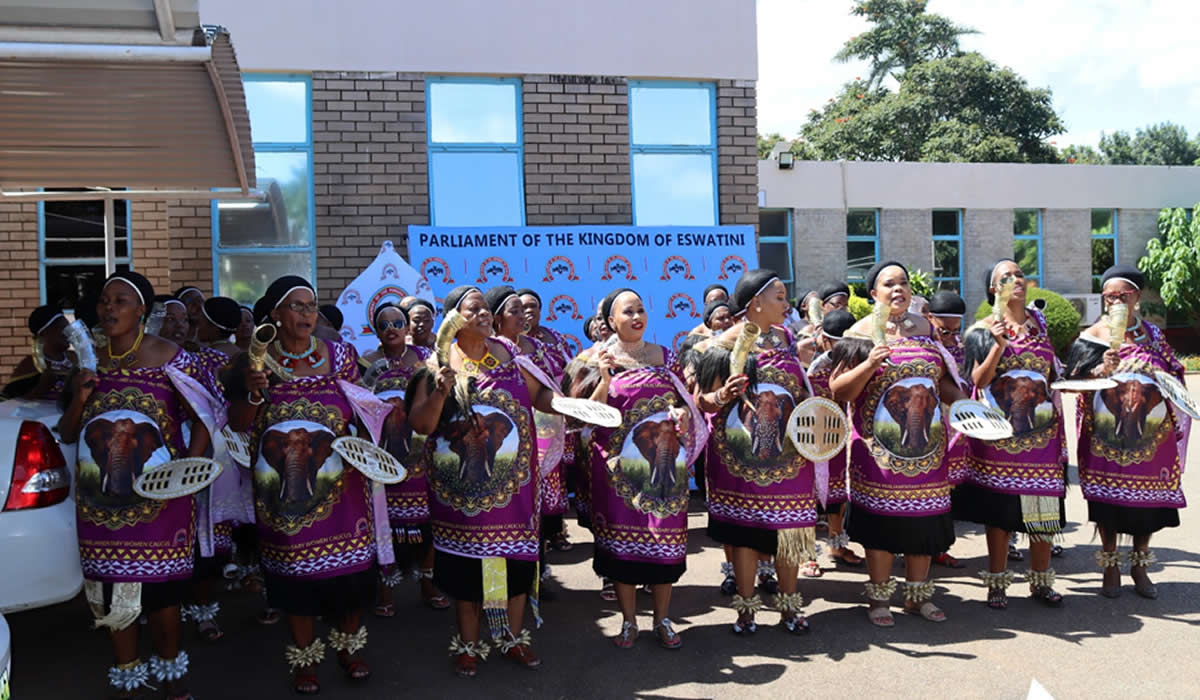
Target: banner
point(573, 267)
point(388, 278)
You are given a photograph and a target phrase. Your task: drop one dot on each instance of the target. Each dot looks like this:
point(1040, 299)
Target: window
point(673, 142)
point(1027, 243)
point(475, 156)
point(256, 242)
point(947, 250)
point(775, 244)
point(71, 248)
point(862, 243)
point(1104, 244)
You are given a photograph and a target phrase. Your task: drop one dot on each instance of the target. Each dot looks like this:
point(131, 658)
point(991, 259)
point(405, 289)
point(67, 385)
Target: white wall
point(833, 185)
point(637, 38)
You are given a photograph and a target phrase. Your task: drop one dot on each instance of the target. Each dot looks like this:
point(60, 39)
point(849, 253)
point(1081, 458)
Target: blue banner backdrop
point(573, 267)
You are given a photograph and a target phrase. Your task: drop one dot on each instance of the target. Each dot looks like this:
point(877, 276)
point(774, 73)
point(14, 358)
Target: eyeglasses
point(398, 324)
point(1118, 297)
point(944, 332)
point(299, 308)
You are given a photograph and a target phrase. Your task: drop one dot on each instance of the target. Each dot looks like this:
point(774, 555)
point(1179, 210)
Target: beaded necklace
point(487, 362)
point(310, 356)
point(115, 361)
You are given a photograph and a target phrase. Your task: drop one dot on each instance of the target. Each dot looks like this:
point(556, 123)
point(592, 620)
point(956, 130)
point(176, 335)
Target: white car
point(39, 550)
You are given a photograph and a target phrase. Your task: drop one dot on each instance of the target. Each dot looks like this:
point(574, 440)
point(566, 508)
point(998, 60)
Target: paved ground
point(1092, 648)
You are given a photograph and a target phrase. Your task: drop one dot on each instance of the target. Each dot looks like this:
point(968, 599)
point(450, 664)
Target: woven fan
point(238, 446)
point(1174, 390)
point(978, 420)
point(588, 411)
point(818, 428)
point(1080, 385)
point(177, 478)
point(376, 463)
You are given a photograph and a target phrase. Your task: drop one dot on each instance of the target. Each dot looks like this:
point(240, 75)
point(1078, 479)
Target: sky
point(1111, 65)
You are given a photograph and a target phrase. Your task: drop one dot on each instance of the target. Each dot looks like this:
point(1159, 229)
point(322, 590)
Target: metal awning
point(154, 112)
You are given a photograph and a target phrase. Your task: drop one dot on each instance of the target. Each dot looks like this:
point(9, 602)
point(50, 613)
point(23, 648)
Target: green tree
point(1156, 144)
point(962, 108)
point(903, 35)
point(1083, 155)
point(1172, 261)
point(766, 144)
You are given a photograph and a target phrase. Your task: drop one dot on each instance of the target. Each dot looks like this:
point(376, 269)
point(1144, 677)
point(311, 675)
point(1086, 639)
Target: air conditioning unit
point(1089, 306)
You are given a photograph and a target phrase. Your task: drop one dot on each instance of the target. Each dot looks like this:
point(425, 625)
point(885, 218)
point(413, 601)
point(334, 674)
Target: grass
point(888, 436)
point(1105, 424)
point(637, 473)
point(447, 467)
point(268, 482)
point(1191, 363)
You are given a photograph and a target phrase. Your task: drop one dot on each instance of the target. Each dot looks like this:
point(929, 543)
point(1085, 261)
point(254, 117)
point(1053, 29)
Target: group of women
point(472, 410)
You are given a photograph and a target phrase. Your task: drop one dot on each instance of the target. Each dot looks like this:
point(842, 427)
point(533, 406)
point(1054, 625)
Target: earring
point(278, 324)
point(757, 309)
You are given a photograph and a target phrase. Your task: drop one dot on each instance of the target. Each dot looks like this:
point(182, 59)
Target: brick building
point(368, 117)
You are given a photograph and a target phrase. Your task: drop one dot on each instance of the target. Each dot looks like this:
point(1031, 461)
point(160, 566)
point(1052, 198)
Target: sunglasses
point(398, 324)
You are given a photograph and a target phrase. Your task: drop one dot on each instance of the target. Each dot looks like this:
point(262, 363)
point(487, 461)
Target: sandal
point(796, 624)
point(846, 556)
point(1047, 595)
point(997, 599)
point(435, 600)
point(209, 631)
point(269, 616)
point(729, 585)
point(608, 591)
point(466, 665)
point(560, 543)
point(811, 569)
point(355, 669)
point(928, 610)
point(1015, 554)
point(1057, 551)
point(385, 610)
point(668, 638)
point(944, 559)
point(745, 624)
point(628, 635)
point(523, 655)
point(881, 616)
point(306, 683)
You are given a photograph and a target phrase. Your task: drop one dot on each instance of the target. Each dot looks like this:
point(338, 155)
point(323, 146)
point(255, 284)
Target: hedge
point(1062, 319)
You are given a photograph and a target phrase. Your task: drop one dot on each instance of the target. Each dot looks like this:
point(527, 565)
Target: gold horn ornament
point(741, 348)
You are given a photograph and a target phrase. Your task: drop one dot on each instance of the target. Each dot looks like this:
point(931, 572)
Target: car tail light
point(40, 476)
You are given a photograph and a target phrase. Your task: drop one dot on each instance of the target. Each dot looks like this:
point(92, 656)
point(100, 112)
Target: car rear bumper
point(40, 551)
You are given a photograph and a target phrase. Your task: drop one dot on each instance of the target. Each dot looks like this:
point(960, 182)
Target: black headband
point(456, 296)
point(711, 308)
point(878, 267)
point(1128, 273)
point(408, 303)
point(752, 283)
point(222, 312)
point(140, 284)
point(947, 303)
point(607, 303)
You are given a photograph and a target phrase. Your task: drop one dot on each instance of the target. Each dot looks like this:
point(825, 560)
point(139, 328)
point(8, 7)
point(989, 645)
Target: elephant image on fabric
point(908, 418)
point(1129, 414)
point(654, 461)
point(397, 434)
point(297, 455)
point(120, 449)
point(476, 441)
point(755, 427)
point(1024, 398)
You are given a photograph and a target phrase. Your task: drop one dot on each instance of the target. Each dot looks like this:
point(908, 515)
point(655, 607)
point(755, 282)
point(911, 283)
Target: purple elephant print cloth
point(756, 478)
point(639, 470)
point(407, 501)
point(551, 434)
point(1030, 463)
point(1131, 439)
point(958, 452)
point(315, 514)
point(818, 375)
point(482, 471)
point(134, 420)
point(900, 432)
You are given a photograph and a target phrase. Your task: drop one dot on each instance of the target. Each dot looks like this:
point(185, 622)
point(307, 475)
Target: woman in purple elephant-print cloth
point(762, 494)
point(387, 371)
point(899, 481)
point(639, 470)
point(481, 451)
point(1017, 484)
point(1132, 439)
point(316, 515)
point(128, 416)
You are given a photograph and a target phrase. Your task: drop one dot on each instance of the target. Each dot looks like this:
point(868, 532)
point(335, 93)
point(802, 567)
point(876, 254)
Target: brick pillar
point(19, 282)
point(737, 152)
point(906, 235)
point(1066, 233)
point(987, 237)
point(151, 243)
point(370, 169)
point(577, 162)
point(1135, 228)
point(190, 256)
point(818, 247)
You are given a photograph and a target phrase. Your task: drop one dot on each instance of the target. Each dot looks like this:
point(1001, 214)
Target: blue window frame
point(862, 243)
point(1104, 244)
point(256, 242)
point(476, 152)
point(71, 248)
point(775, 244)
point(673, 152)
point(1027, 243)
point(947, 249)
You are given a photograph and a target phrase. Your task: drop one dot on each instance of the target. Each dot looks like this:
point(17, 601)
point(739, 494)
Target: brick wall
point(190, 226)
point(577, 165)
point(818, 247)
point(737, 154)
point(987, 237)
point(19, 289)
point(905, 236)
point(1135, 228)
point(151, 243)
point(370, 169)
point(1066, 235)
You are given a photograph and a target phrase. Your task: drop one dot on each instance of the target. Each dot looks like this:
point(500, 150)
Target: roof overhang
point(155, 113)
